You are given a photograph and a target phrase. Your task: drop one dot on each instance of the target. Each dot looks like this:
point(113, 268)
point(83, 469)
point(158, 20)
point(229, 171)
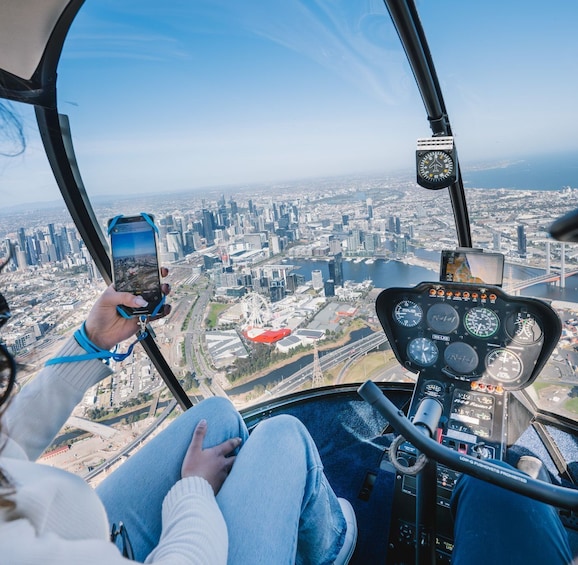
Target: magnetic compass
point(436, 162)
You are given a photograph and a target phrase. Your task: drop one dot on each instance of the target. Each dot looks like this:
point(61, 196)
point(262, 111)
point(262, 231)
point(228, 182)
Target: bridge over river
point(545, 278)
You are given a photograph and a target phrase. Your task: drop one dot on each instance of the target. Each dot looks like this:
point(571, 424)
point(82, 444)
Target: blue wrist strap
point(93, 351)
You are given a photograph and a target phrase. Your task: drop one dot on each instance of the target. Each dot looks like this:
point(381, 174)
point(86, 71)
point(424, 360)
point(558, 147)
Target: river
point(291, 368)
point(385, 274)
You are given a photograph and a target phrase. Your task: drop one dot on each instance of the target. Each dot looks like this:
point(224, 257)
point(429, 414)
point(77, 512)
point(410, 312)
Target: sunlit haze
point(183, 95)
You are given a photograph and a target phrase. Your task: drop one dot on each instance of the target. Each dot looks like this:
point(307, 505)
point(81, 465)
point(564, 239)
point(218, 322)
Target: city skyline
point(213, 93)
point(353, 218)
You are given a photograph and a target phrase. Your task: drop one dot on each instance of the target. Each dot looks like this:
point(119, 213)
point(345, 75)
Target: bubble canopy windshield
point(277, 151)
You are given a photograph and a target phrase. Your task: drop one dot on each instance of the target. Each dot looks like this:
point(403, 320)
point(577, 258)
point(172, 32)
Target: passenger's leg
point(493, 525)
point(277, 503)
point(134, 493)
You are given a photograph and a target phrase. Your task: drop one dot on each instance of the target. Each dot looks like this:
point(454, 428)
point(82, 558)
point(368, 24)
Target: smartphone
point(135, 264)
point(467, 265)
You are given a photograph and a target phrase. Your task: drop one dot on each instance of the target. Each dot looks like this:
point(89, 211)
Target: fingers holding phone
point(105, 327)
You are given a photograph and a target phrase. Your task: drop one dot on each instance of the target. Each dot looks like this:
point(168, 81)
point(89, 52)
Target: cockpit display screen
point(472, 266)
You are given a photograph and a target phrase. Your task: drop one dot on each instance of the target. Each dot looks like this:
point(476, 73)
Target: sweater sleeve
point(37, 413)
point(194, 530)
point(194, 533)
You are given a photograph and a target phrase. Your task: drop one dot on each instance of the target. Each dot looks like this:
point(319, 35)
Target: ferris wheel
point(256, 310)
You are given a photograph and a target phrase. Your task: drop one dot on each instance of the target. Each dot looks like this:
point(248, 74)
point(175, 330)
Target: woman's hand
point(105, 327)
point(213, 464)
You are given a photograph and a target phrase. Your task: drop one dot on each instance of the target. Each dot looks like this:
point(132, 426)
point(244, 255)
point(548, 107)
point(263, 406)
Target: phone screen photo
point(472, 266)
point(135, 264)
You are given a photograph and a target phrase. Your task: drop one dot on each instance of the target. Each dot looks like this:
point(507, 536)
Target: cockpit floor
point(351, 441)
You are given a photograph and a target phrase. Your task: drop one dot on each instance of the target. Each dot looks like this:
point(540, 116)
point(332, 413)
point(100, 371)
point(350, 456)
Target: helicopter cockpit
point(472, 345)
point(451, 365)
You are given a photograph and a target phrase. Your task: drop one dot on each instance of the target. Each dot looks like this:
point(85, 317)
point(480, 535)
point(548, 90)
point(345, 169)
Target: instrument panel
point(467, 332)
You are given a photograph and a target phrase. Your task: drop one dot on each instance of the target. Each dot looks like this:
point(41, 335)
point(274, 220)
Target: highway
point(351, 351)
point(133, 444)
point(193, 334)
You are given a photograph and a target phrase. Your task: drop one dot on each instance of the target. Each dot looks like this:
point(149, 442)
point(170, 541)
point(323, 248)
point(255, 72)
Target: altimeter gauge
point(436, 162)
point(504, 365)
point(422, 351)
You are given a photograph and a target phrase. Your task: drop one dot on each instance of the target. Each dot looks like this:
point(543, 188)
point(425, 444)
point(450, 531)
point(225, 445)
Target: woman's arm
point(194, 533)
point(36, 414)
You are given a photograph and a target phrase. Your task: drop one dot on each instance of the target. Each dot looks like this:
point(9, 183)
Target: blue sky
point(133, 243)
point(167, 96)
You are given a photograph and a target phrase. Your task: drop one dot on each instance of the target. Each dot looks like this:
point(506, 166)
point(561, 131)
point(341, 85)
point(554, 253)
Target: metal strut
point(411, 34)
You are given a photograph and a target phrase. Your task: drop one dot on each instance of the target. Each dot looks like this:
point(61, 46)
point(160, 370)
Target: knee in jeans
point(214, 405)
point(283, 427)
point(219, 404)
point(213, 408)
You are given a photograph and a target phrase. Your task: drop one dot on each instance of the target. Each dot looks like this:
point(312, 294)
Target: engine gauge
point(422, 351)
point(433, 389)
point(522, 327)
point(407, 313)
point(504, 365)
point(481, 322)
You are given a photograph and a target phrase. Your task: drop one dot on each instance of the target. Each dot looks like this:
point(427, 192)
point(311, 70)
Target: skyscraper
point(175, 244)
point(329, 288)
point(336, 269)
point(208, 226)
point(317, 279)
point(521, 241)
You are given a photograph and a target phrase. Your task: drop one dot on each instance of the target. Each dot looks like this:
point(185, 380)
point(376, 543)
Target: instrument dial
point(407, 313)
point(522, 327)
point(433, 389)
point(481, 322)
point(435, 167)
point(422, 351)
point(443, 318)
point(461, 357)
point(504, 365)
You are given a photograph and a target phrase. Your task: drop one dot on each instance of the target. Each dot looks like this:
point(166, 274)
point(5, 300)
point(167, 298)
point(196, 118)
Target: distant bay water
point(385, 274)
point(545, 172)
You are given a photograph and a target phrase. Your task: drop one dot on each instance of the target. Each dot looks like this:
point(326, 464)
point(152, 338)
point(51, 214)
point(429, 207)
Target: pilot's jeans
point(277, 503)
point(497, 526)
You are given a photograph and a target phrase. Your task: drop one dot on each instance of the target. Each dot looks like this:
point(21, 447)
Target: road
point(351, 351)
point(133, 444)
point(195, 355)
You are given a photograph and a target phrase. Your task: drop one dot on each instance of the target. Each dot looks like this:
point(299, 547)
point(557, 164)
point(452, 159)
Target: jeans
point(277, 503)
point(497, 526)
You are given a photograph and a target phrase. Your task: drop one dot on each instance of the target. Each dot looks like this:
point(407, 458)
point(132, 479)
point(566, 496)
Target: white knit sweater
point(57, 518)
